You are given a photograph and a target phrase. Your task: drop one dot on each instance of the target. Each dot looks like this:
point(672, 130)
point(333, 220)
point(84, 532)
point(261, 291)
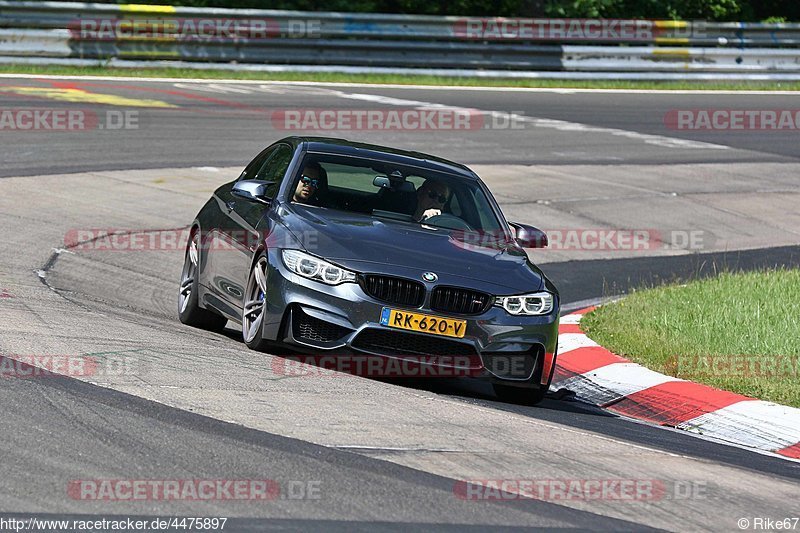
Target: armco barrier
point(271, 37)
point(651, 58)
point(47, 43)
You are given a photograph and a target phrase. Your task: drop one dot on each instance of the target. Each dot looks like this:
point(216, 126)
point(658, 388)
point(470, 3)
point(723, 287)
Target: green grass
point(738, 332)
point(390, 78)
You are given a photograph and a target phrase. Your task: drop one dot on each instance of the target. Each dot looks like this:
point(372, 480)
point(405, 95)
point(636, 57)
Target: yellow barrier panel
point(144, 8)
point(671, 24)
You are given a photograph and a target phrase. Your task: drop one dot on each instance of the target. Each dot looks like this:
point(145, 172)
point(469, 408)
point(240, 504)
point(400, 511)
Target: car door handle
point(230, 205)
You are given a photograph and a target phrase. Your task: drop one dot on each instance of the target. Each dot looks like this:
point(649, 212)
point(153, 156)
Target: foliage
point(712, 10)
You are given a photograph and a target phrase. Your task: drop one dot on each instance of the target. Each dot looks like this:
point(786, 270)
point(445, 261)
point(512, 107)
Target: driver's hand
point(431, 213)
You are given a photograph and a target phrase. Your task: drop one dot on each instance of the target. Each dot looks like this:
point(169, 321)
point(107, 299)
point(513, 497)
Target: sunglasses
point(309, 181)
point(438, 197)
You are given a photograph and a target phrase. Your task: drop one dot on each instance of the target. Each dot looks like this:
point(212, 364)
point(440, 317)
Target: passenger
point(431, 197)
point(309, 183)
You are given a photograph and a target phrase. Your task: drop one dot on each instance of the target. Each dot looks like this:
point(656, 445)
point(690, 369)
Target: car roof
point(332, 145)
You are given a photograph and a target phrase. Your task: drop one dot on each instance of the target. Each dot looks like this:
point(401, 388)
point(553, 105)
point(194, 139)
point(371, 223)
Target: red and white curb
point(609, 381)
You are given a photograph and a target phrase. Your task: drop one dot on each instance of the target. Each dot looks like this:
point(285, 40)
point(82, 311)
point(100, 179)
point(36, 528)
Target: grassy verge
point(400, 79)
point(738, 332)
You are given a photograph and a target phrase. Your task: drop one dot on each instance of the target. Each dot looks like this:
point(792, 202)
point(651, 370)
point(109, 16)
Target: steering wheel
point(446, 220)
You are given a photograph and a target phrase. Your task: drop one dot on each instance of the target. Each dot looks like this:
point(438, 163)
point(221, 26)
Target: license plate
point(446, 327)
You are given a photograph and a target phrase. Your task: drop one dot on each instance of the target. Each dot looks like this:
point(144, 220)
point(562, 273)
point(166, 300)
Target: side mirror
point(253, 190)
point(529, 236)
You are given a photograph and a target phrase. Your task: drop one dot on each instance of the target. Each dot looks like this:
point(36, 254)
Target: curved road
point(165, 402)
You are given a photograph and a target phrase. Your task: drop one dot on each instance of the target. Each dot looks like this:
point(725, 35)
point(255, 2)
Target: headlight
point(315, 268)
point(540, 303)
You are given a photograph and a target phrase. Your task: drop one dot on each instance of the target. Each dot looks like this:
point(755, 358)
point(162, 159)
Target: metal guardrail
point(649, 59)
point(145, 32)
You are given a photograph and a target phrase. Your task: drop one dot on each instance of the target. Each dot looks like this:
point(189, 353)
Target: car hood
point(365, 244)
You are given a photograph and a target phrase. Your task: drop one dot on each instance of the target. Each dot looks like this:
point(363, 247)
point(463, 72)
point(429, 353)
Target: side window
point(275, 167)
point(256, 164)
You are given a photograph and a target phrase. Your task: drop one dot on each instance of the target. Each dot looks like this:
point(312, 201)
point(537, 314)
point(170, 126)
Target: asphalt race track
point(174, 403)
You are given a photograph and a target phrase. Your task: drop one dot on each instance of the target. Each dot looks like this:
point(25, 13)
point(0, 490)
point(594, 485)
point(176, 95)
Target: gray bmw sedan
point(350, 252)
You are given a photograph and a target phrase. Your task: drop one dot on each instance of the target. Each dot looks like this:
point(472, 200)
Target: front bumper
point(344, 319)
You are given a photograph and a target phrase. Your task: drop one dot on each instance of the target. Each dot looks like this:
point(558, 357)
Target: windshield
point(391, 191)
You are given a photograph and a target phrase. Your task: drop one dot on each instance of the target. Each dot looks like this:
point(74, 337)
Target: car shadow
point(468, 389)
point(463, 388)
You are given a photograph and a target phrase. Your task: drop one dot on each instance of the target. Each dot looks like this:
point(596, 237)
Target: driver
point(431, 198)
point(308, 185)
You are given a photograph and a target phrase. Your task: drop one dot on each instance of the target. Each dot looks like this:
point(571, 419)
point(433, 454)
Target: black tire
point(189, 312)
point(252, 323)
point(519, 395)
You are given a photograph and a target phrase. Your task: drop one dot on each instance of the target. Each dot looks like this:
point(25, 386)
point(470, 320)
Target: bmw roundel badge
point(430, 277)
